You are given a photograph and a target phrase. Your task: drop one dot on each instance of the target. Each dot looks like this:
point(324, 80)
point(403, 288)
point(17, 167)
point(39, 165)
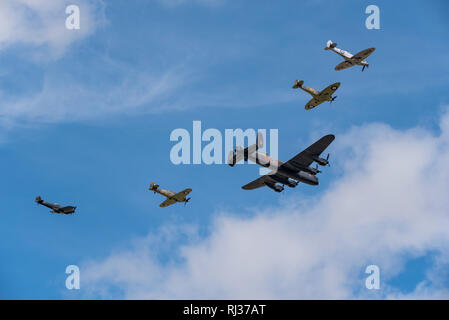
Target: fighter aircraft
point(350, 59)
point(56, 208)
point(171, 196)
point(318, 97)
point(288, 173)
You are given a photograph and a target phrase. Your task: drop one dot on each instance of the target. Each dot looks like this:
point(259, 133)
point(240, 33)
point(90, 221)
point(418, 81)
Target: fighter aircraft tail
point(330, 45)
point(298, 84)
point(38, 199)
point(153, 186)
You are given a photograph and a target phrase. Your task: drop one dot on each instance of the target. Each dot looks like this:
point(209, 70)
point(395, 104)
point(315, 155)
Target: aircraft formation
point(291, 173)
point(299, 169)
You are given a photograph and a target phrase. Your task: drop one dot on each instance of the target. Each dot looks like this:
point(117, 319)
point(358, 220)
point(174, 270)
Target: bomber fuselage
point(305, 175)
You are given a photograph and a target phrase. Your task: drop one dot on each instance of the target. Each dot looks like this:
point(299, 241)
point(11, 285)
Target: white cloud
point(389, 202)
point(41, 24)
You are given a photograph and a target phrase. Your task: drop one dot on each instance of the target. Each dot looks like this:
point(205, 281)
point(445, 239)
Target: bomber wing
point(258, 183)
point(306, 157)
point(180, 196)
point(167, 202)
point(344, 65)
point(362, 55)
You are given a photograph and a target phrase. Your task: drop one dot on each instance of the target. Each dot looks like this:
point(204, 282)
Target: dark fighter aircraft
point(56, 208)
point(288, 173)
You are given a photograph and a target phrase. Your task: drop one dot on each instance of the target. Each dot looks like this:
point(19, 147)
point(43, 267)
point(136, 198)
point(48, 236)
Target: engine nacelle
point(321, 161)
point(312, 170)
point(292, 183)
point(276, 187)
point(287, 181)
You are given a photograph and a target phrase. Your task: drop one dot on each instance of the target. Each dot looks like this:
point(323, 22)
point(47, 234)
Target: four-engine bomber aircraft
point(288, 173)
point(350, 59)
point(171, 196)
point(56, 208)
point(318, 97)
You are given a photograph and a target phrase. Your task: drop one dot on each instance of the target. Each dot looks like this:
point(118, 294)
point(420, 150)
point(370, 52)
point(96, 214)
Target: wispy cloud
point(40, 24)
point(106, 87)
point(59, 101)
point(389, 202)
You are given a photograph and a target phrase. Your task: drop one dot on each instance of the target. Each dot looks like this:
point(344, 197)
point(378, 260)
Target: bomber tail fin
point(330, 45)
point(241, 153)
point(232, 158)
point(259, 141)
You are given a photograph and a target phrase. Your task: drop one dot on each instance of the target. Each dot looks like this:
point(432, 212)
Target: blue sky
point(85, 119)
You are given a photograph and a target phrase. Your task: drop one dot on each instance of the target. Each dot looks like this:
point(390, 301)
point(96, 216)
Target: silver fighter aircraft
point(350, 59)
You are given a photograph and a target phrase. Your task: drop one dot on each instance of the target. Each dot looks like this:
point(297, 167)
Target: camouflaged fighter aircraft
point(56, 208)
point(171, 196)
point(350, 59)
point(288, 173)
point(318, 96)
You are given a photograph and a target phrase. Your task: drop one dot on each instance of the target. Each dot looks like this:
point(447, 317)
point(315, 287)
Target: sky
point(86, 117)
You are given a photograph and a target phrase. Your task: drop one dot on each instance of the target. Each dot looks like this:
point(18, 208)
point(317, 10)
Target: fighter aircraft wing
point(362, 55)
point(260, 182)
point(167, 202)
point(344, 65)
point(180, 196)
point(305, 157)
point(313, 103)
point(327, 93)
point(67, 209)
